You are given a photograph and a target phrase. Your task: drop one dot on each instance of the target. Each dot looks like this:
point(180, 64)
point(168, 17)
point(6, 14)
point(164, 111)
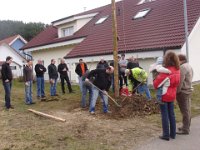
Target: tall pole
point(115, 49)
point(186, 28)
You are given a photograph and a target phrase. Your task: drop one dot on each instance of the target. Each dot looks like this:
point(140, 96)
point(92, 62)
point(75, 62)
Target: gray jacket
point(185, 85)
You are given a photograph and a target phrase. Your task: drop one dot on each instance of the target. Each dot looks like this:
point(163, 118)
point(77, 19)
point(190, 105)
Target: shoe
point(172, 137)
point(92, 113)
point(38, 97)
point(32, 103)
point(56, 95)
point(180, 129)
point(108, 112)
point(11, 107)
point(71, 92)
point(164, 138)
point(182, 132)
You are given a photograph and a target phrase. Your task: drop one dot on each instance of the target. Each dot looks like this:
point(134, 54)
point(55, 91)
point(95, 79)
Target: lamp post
point(186, 28)
point(115, 49)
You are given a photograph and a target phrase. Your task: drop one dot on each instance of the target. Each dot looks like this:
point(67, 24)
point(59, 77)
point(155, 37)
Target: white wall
point(194, 50)
point(81, 23)
point(48, 54)
point(5, 51)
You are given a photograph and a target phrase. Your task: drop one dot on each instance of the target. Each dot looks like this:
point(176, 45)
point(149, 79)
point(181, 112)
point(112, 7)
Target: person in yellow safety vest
point(138, 75)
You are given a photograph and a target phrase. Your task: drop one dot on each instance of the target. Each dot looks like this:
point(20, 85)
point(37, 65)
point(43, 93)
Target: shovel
point(106, 94)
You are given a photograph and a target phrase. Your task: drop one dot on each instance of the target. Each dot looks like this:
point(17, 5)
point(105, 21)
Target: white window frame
point(102, 19)
point(144, 1)
point(142, 13)
point(68, 31)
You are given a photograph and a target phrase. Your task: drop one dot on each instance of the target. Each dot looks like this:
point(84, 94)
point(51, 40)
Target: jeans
point(85, 89)
point(95, 95)
point(159, 94)
point(40, 87)
point(7, 88)
point(144, 88)
point(28, 92)
point(53, 87)
point(63, 79)
point(168, 119)
point(80, 83)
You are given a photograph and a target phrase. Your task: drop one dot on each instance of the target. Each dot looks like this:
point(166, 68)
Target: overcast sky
point(45, 11)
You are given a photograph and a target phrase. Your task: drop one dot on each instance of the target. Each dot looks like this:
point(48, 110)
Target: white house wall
point(194, 50)
point(81, 23)
point(48, 54)
point(5, 51)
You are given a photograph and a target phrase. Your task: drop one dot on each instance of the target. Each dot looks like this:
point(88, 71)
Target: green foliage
point(26, 30)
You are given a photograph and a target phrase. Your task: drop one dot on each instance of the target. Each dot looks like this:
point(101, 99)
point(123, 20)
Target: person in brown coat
point(184, 92)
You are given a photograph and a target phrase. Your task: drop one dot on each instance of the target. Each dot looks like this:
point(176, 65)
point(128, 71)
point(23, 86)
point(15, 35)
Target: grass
point(21, 130)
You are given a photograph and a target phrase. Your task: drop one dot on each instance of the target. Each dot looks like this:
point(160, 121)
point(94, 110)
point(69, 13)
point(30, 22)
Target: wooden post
point(115, 49)
point(46, 115)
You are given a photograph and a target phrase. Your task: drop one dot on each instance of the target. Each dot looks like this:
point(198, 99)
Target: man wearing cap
point(138, 75)
point(7, 77)
point(100, 87)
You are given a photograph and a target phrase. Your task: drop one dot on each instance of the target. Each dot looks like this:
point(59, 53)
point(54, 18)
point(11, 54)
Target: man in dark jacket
point(81, 68)
point(28, 79)
point(40, 70)
point(102, 77)
point(7, 77)
point(63, 69)
point(53, 76)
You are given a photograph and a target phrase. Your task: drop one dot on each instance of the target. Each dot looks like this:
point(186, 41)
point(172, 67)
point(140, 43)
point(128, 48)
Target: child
point(155, 69)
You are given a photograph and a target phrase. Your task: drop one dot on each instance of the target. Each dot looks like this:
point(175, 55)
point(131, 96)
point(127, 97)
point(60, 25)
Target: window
point(141, 14)
point(68, 31)
point(145, 1)
point(101, 20)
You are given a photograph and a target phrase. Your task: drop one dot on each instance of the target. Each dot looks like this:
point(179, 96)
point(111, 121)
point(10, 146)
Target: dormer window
point(101, 20)
point(67, 31)
point(141, 13)
point(145, 1)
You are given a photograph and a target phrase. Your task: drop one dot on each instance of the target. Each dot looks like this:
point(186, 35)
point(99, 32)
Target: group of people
point(172, 78)
point(173, 81)
point(28, 78)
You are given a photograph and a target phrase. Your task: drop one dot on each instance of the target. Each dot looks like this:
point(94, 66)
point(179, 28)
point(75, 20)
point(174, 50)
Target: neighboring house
point(146, 30)
point(10, 47)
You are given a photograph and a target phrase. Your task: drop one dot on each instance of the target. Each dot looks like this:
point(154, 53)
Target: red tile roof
point(8, 40)
point(162, 28)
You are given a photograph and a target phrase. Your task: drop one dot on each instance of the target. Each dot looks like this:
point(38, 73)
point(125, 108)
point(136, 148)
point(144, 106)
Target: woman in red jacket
point(171, 62)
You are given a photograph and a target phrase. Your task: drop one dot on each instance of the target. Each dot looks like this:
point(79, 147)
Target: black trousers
point(63, 79)
point(123, 78)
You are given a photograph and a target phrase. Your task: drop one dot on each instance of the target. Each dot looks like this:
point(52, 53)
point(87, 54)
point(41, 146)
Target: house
point(11, 47)
point(146, 30)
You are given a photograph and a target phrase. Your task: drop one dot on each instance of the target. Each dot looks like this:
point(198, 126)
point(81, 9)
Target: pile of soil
point(133, 106)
